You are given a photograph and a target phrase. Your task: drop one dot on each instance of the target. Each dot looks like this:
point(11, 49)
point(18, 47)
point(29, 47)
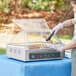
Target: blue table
point(11, 67)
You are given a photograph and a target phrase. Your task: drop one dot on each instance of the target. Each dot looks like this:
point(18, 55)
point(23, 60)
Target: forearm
point(69, 22)
point(64, 24)
point(70, 45)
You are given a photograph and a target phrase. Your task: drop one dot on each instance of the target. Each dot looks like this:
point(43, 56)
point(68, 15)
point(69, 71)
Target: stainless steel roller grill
point(34, 52)
point(31, 45)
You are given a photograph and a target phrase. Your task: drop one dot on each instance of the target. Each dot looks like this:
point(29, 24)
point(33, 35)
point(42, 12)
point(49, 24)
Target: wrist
point(74, 21)
point(61, 25)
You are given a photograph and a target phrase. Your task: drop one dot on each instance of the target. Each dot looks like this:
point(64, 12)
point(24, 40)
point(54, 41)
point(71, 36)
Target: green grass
point(2, 51)
point(67, 37)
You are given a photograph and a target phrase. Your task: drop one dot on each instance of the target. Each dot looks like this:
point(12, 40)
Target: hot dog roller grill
point(30, 44)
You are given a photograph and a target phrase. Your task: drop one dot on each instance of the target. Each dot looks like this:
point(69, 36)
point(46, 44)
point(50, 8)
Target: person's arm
point(68, 46)
point(61, 25)
point(69, 22)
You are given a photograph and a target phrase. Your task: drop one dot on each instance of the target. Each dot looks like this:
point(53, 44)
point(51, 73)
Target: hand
point(57, 27)
point(56, 47)
point(60, 49)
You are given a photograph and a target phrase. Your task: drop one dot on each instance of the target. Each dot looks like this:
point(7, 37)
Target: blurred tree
point(4, 5)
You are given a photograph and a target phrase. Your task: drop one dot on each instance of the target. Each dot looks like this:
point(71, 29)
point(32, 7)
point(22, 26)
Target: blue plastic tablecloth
point(11, 67)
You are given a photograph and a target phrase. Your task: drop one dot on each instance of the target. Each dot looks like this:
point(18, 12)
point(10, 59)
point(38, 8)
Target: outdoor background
point(53, 11)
